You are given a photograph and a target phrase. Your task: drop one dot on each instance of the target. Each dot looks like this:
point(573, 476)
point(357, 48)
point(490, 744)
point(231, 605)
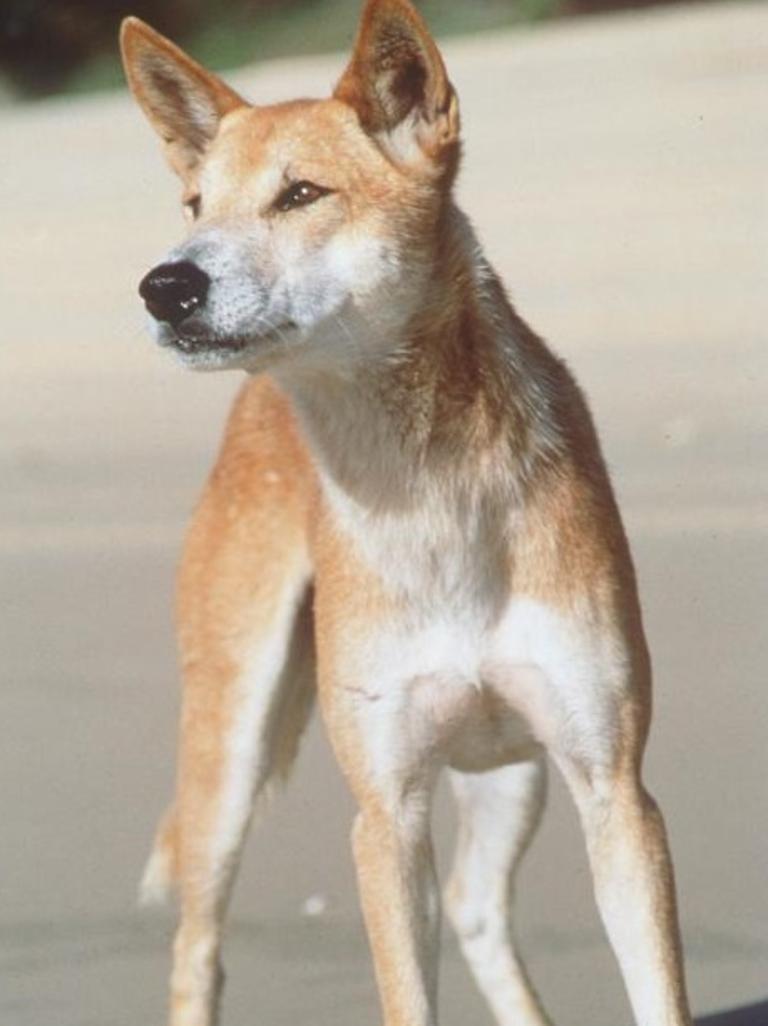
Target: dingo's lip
point(197, 344)
point(190, 344)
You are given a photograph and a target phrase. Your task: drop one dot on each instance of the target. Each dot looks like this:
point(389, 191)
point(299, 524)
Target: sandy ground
point(616, 170)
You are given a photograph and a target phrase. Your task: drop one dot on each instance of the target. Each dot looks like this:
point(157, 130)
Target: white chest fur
point(420, 693)
point(440, 554)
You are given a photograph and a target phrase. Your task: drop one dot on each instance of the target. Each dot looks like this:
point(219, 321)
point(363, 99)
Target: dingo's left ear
point(183, 102)
point(396, 80)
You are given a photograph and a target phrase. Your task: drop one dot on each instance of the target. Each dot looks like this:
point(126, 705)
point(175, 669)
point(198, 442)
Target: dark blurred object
point(43, 41)
point(749, 1015)
point(47, 46)
point(601, 6)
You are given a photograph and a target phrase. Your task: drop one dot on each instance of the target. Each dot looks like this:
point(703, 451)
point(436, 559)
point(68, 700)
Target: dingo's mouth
point(194, 344)
point(212, 345)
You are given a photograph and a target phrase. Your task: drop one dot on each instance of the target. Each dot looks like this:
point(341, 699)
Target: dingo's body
point(412, 509)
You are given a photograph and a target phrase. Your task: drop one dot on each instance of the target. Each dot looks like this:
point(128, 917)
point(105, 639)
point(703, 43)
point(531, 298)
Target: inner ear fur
point(396, 72)
point(183, 102)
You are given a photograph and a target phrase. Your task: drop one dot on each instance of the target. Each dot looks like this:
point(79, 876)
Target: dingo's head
point(307, 218)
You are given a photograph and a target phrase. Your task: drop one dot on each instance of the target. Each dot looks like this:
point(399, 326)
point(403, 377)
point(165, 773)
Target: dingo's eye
point(192, 205)
point(299, 194)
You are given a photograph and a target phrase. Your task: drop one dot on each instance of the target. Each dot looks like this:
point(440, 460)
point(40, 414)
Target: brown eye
point(192, 205)
point(299, 194)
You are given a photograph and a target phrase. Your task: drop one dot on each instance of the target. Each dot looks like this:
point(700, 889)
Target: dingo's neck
point(465, 395)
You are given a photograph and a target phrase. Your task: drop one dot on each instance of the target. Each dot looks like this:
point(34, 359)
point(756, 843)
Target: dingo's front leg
point(400, 900)
point(366, 686)
point(634, 888)
point(585, 687)
point(246, 649)
point(240, 726)
point(392, 847)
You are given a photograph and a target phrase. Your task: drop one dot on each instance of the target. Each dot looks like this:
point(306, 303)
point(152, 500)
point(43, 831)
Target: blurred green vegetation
point(50, 46)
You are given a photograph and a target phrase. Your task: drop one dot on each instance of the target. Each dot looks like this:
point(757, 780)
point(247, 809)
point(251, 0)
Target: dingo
point(413, 502)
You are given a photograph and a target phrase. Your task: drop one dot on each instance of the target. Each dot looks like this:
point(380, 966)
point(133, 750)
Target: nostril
point(173, 291)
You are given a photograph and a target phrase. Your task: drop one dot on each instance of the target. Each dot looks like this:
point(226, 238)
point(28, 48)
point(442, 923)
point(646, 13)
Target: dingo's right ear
point(183, 102)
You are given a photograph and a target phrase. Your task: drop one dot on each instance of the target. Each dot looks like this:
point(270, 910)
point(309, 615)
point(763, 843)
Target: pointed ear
point(183, 102)
point(396, 77)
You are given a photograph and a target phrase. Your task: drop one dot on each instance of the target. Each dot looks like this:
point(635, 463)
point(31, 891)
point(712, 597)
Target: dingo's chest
point(433, 688)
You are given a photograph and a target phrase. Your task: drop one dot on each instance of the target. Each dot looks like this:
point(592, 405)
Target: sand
point(616, 171)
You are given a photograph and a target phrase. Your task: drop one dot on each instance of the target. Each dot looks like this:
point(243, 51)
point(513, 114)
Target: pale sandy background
point(617, 171)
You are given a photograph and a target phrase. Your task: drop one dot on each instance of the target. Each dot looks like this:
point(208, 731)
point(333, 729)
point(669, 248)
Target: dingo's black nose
point(172, 292)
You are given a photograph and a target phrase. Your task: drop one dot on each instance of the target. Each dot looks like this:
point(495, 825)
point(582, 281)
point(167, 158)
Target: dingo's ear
point(183, 102)
point(396, 79)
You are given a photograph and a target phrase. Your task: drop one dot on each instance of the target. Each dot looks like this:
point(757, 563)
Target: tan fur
point(424, 465)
